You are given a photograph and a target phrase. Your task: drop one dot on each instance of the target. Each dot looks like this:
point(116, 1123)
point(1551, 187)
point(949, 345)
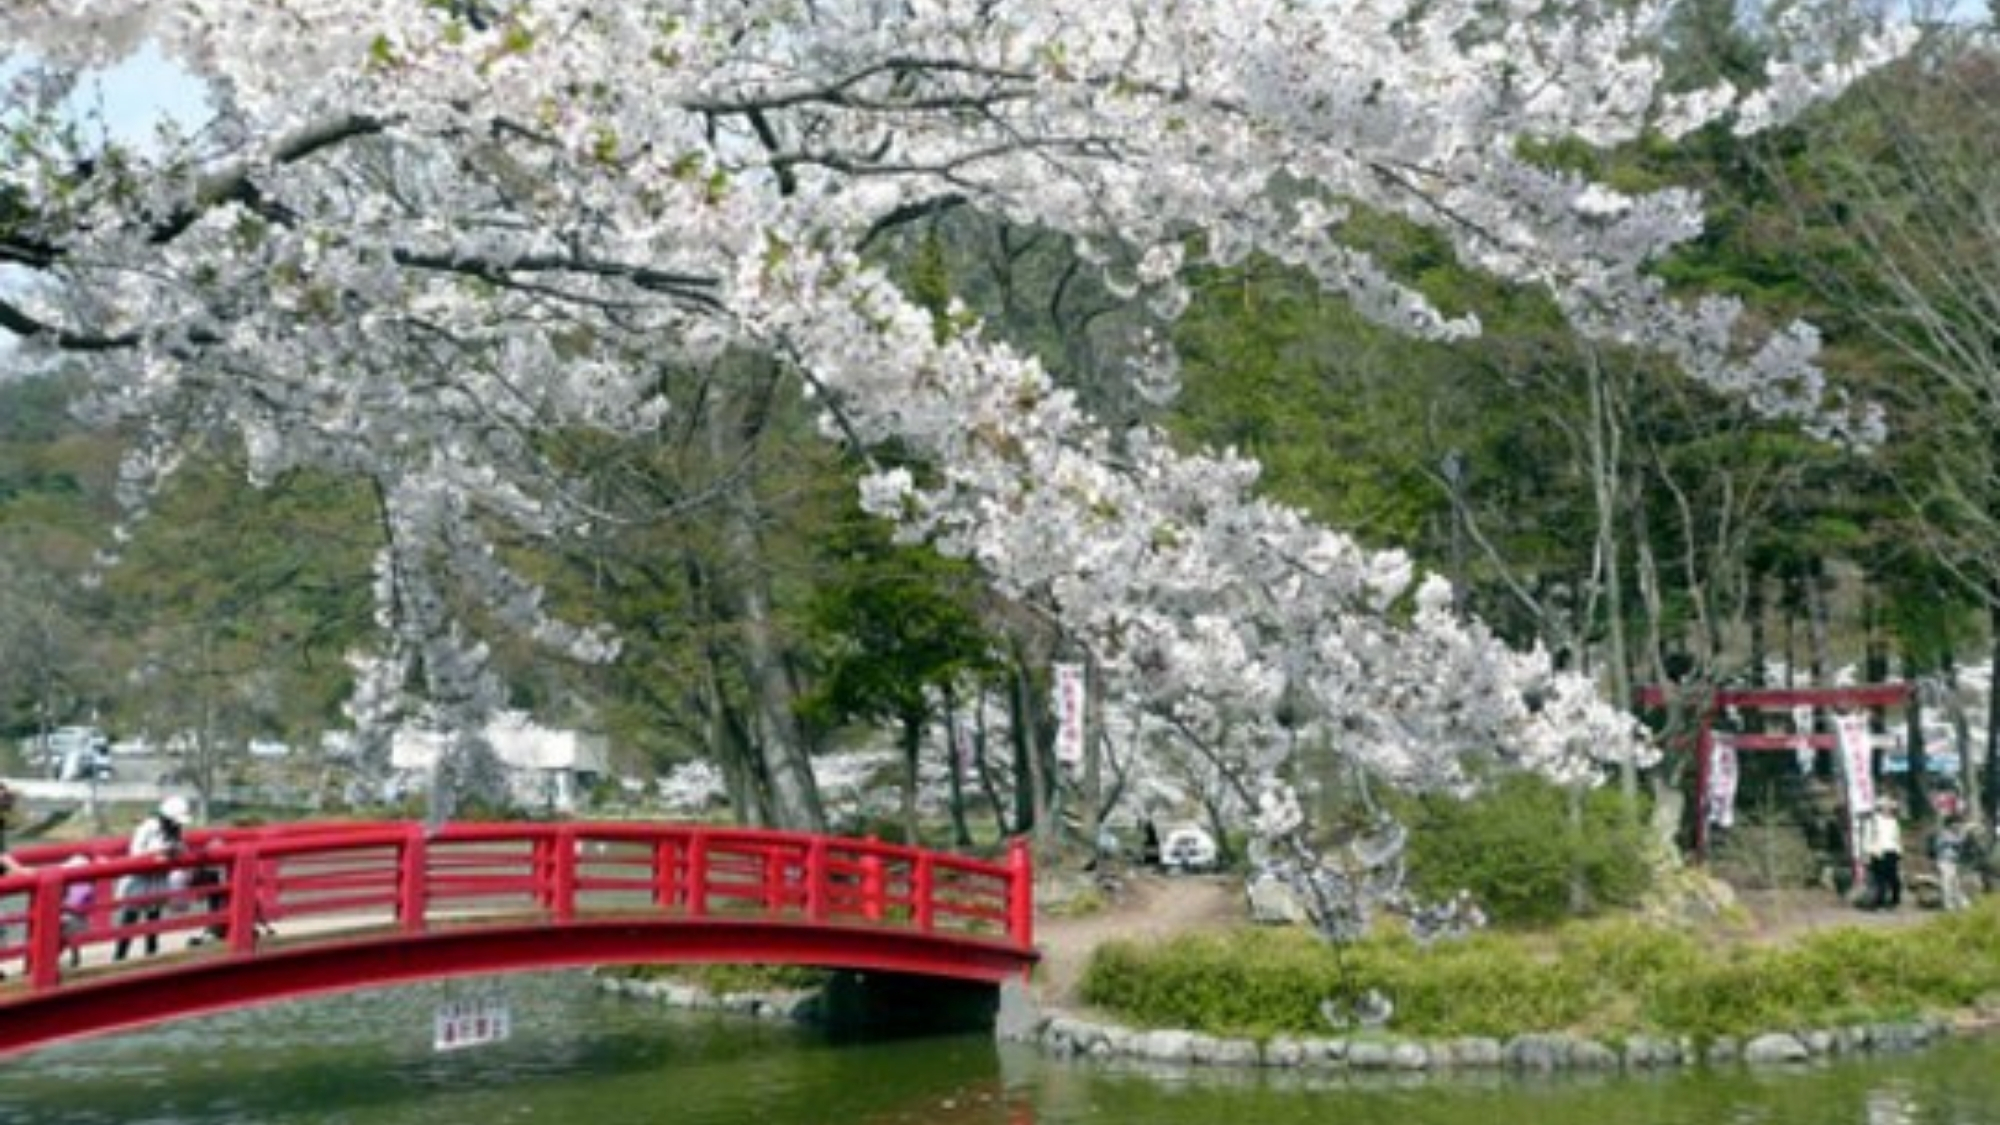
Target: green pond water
point(578, 1057)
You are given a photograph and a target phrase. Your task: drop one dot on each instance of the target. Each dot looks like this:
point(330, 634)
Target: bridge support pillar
point(876, 1004)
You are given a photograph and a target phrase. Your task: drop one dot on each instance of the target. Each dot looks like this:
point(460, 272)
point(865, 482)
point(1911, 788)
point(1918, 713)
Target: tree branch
point(233, 184)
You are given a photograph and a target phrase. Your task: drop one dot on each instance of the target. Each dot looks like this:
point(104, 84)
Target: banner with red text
point(1070, 701)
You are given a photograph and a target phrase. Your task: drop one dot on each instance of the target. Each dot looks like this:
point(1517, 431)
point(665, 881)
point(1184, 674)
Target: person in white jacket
point(1882, 847)
point(144, 894)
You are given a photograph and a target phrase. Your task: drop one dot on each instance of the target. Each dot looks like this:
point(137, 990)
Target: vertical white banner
point(1857, 761)
point(1069, 714)
point(1722, 775)
point(1857, 774)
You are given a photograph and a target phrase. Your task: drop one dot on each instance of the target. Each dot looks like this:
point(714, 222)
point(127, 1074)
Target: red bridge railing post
point(816, 879)
point(666, 874)
point(696, 885)
point(1020, 892)
point(411, 900)
point(872, 885)
point(923, 886)
point(44, 952)
point(562, 874)
point(774, 879)
point(245, 893)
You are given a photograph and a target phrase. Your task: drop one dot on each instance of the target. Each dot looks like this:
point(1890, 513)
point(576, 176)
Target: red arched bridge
point(252, 915)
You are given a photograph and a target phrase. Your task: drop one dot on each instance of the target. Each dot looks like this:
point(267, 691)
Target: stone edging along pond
point(795, 1006)
point(1068, 1036)
point(1071, 1037)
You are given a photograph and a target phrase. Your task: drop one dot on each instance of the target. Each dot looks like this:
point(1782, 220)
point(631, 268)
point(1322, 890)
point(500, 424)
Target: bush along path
point(1619, 993)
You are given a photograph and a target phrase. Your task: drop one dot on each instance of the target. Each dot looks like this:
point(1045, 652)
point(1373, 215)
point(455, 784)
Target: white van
point(1188, 847)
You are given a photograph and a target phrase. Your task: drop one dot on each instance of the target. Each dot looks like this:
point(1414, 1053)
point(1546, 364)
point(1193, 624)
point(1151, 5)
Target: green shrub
point(1613, 977)
point(1266, 982)
point(1249, 982)
point(1513, 847)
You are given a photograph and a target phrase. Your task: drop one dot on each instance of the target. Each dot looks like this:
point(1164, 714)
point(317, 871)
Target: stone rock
point(1164, 1046)
point(1475, 1051)
point(1689, 895)
point(1322, 1053)
point(1369, 1054)
point(1272, 903)
point(1066, 1035)
point(1648, 1051)
point(1537, 1052)
point(1589, 1054)
point(1226, 1052)
point(1409, 1056)
point(1892, 1037)
point(1775, 1047)
point(1284, 1051)
point(1724, 1049)
point(1287, 1051)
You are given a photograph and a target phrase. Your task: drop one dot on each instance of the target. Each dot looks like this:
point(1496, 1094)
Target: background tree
point(897, 628)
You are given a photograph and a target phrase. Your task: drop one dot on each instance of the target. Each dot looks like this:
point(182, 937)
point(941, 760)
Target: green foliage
point(227, 613)
point(889, 622)
point(1835, 976)
point(1606, 978)
point(1514, 847)
point(1275, 370)
point(1264, 982)
point(723, 979)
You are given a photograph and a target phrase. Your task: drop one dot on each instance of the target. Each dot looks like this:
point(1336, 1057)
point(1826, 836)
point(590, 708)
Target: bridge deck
point(245, 916)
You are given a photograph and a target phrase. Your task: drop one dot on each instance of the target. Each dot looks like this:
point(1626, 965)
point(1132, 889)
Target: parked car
point(1188, 847)
point(74, 754)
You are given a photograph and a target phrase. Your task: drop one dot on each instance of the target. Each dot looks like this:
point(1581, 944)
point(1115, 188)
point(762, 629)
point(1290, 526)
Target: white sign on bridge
point(470, 1023)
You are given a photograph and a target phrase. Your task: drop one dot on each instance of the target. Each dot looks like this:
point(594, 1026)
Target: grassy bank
point(1606, 979)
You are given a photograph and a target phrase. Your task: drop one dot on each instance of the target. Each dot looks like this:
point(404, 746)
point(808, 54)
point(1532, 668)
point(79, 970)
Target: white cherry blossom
point(424, 232)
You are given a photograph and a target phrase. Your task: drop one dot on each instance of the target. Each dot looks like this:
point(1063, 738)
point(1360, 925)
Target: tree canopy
point(426, 242)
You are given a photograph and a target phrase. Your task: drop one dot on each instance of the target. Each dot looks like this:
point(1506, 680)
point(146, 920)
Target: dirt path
point(1146, 907)
point(1776, 917)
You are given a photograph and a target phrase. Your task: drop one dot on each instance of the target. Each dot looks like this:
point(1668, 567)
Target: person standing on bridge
point(8, 864)
point(144, 894)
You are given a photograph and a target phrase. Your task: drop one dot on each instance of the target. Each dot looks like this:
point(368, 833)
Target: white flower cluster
point(421, 236)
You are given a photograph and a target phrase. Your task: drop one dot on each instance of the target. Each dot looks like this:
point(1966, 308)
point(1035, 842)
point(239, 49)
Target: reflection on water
point(577, 1056)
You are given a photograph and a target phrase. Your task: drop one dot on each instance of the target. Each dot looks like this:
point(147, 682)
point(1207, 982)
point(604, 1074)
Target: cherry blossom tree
point(421, 239)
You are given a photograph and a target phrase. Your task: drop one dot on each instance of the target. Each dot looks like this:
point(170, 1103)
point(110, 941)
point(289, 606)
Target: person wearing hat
point(144, 894)
point(1882, 846)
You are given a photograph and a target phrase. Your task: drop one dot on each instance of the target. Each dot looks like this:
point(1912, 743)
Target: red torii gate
point(1861, 698)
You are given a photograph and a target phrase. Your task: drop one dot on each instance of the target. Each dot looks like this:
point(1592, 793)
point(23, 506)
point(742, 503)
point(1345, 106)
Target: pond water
point(579, 1057)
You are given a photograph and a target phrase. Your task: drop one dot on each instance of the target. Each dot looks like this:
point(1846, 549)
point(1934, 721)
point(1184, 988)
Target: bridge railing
point(230, 890)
